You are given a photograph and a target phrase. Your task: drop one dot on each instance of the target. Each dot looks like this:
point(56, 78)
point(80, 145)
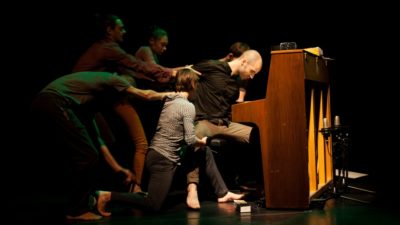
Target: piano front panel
point(288, 120)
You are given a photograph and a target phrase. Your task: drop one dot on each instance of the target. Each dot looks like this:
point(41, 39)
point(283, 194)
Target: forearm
point(148, 94)
point(110, 159)
point(150, 69)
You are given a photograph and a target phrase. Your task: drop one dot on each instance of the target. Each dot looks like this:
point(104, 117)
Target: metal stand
point(341, 145)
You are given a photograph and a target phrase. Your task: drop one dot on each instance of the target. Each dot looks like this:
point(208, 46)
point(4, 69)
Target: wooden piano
point(297, 160)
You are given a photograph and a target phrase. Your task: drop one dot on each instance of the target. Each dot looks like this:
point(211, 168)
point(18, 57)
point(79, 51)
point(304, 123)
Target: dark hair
point(186, 80)
point(102, 22)
point(156, 32)
point(238, 48)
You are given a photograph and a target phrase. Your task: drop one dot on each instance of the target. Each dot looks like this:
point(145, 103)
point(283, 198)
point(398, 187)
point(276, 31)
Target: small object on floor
point(242, 206)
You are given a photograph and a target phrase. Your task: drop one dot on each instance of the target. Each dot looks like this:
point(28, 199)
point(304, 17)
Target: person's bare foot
point(85, 216)
point(102, 199)
point(192, 199)
point(230, 197)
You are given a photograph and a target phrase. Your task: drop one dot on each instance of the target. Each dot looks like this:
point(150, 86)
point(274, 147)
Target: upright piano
point(296, 157)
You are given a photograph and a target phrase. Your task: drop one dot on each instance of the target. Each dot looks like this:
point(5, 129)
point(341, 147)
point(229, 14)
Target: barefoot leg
point(103, 198)
point(192, 199)
point(230, 197)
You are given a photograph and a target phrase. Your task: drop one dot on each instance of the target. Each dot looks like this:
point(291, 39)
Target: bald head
point(247, 65)
point(253, 58)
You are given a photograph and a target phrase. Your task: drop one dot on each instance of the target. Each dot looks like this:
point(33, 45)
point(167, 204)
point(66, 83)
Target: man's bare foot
point(102, 199)
point(85, 216)
point(230, 197)
point(192, 199)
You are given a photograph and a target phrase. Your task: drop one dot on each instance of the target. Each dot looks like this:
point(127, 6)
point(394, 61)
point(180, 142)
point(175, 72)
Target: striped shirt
point(175, 128)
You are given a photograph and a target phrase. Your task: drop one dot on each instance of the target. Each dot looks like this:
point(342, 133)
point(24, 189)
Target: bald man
point(216, 91)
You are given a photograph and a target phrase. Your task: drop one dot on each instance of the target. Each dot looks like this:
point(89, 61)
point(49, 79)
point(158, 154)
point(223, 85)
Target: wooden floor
point(350, 206)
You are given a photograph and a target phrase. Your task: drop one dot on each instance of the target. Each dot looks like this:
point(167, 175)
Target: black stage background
point(46, 40)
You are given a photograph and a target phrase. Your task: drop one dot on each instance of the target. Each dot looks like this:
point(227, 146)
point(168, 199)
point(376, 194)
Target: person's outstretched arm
point(148, 94)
